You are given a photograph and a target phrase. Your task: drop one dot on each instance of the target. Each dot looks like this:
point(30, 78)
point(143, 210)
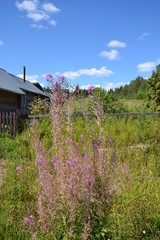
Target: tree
point(153, 90)
point(109, 101)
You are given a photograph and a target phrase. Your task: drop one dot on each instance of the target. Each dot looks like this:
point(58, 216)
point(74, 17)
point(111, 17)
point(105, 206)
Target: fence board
point(10, 118)
point(0, 122)
point(3, 120)
point(14, 124)
point(101, 115)
point(7, 121)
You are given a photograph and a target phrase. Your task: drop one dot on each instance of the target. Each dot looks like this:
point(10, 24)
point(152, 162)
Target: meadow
point(132, 105)
point(82, 177)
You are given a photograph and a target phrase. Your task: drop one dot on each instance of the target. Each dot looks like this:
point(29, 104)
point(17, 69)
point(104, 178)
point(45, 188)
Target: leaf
point(104, 230)
point(102, 234)
point(150, 140)
point(65, 237)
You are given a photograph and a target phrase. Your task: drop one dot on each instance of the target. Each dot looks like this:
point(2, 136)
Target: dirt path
point(2, 171)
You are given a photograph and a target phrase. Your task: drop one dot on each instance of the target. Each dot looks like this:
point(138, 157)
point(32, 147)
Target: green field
point(132, 105)
point(82, 178)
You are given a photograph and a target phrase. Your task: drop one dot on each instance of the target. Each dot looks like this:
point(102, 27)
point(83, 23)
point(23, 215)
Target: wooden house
point(17, 93)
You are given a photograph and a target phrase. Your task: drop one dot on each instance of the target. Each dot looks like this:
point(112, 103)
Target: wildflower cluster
point(76, 181)
point(55, 82)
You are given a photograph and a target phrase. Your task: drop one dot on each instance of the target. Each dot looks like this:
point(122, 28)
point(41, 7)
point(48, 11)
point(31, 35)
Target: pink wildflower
point(90, 89)
point(33, 122)
point(48, 77)
point(18, 168)
point(82, 137)
point(60, 79)
point(30, 219)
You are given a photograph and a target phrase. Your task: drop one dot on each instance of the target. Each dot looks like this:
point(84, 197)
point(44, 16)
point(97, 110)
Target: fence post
point(126, 120)
point(3, 118)
point(14, 124)
point(17, 118)
point(10, 116)
point(0, 122)
point(7, 121)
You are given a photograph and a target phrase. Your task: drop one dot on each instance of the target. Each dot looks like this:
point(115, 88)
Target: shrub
point(110, 102)
point(153, 91)
point(40, 106)
point(140, 95)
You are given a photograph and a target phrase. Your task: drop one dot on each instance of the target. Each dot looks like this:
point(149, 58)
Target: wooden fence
point(11, 120)
point(101, 115)
point(8, 123)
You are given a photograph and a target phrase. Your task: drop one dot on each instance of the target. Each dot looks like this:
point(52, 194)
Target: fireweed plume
point(73, 184)
point(102, 159)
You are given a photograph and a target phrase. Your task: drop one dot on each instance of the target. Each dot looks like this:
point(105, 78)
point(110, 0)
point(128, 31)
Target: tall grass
point(78, 182)
point(82, 178)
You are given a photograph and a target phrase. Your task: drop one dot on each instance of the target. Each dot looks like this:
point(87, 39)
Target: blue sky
point(91, 42)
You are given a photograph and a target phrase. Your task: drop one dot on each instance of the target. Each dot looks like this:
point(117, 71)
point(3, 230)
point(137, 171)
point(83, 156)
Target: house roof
point(12, 83)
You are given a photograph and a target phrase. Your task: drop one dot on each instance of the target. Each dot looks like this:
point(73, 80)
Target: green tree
point(109, 101)
point(153, 90)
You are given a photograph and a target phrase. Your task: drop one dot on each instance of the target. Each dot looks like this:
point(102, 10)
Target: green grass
point(129, 104)
point(135, 211)
point(133, 105)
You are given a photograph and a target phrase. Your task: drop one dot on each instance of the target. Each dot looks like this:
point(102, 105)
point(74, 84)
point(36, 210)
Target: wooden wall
point(30, 97)
point(9, 100)
point(12, 101)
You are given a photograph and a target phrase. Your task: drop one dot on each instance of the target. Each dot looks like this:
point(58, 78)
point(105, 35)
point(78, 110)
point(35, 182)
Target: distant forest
point(136, 89)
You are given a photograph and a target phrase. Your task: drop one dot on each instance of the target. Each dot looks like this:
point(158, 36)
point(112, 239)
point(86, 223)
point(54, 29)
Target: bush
point(110, 102)
point(153, 91)
point(140, 95)
point(40, 106)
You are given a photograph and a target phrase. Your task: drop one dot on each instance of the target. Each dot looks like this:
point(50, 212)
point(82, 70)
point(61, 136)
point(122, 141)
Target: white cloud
point(38, 12)
point(111, 55)
point(52, 22)
point(109, 85)
point(33, 81)
point(102, 72)
point(28, 5)
point(38, 26)
point(42, 85)
point(86, 86)
point(50, 7)
point(1, 43)
point(37, 16)
point(116, 44)
point(146, 67)
point(31, 78)
point(143, 35)
point(44, 75)
point(70, 74)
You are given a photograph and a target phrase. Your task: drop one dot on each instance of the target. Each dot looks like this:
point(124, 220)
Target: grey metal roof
point(12, 83)
point(7, 83)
